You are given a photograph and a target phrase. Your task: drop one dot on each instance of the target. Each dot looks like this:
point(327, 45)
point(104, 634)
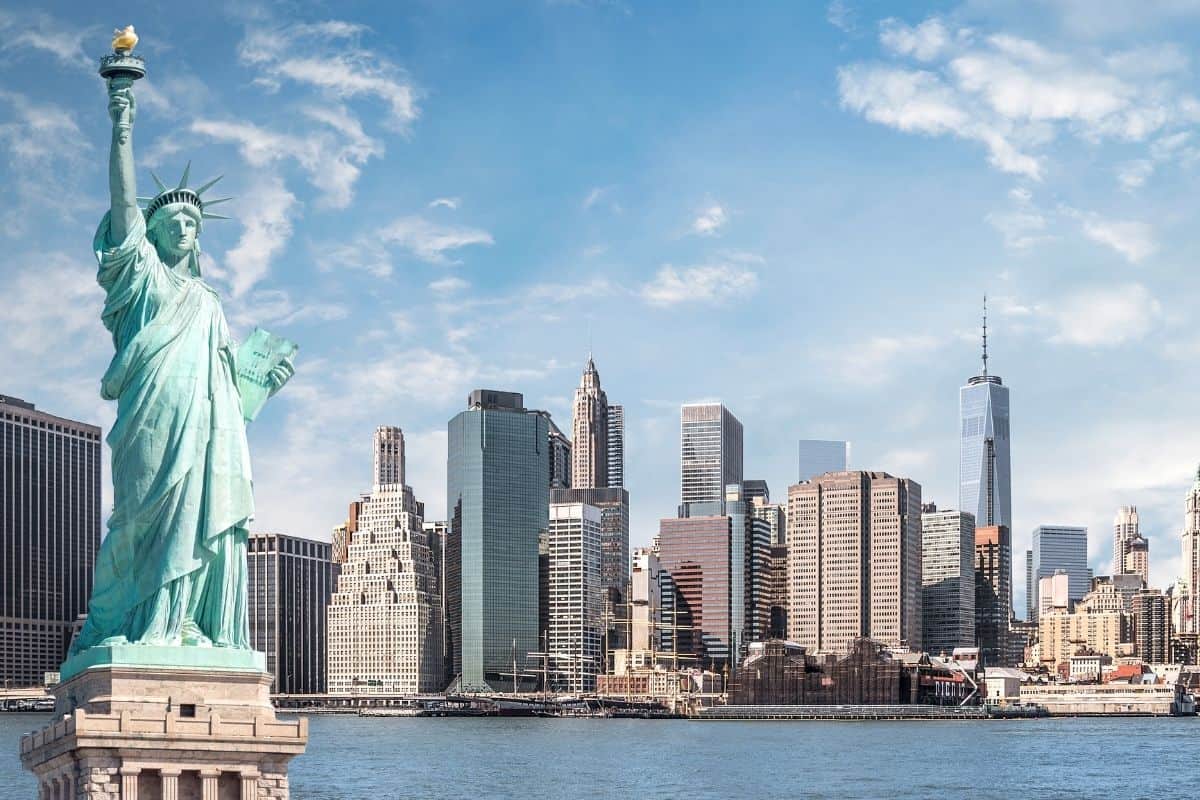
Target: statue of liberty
point(172, 569)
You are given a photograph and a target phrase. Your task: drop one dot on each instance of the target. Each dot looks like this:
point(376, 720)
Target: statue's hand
point(122, 107)
point(281, 375)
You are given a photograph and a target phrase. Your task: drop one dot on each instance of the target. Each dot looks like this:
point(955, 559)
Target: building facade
point(616, 446)
point(1137, 558)
point(993, 592)
point(947, 580)
point(575, 597)
point(497, 503)
point(1125, 528)
point(597, 436)
point(710, 452)
point(854, 561)
point(1061, 547)
point(818, 456)
point(1062, 635)
point(559, 454)
point(984, 467)
point(385, 622)
point(290, 581)
point(49, 536)
point(1151, 626)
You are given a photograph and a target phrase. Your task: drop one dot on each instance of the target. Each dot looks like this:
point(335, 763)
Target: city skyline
point(698, 249)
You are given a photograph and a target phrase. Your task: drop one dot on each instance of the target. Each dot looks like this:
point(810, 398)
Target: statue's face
point(179, 233)
point(176, 233)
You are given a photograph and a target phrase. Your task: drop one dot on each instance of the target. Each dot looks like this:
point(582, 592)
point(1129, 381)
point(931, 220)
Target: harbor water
point(360, 758)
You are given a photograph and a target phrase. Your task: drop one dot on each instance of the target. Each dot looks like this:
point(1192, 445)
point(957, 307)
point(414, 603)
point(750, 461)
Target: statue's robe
point(175, 553)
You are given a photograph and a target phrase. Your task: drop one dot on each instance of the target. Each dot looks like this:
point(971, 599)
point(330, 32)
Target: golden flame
point(124, 40)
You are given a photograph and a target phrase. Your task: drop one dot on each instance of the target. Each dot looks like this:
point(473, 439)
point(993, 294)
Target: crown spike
point(206, 215)
point(208, 203)
point(186, 172)
point(145, 199)
point(208, 185)
point(162, 187)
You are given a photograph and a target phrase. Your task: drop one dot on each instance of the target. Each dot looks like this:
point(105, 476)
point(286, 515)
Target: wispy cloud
point(1133, 240)
point(266, 230)
point(451, 203)
point(329, 56)
point(703, 283)
point(710, 220)
point(332, 155)
point(431, 241)
point(1104, 316)
point(1013, 95)
point(841, 15)
point(39, 31)
point(448, 285)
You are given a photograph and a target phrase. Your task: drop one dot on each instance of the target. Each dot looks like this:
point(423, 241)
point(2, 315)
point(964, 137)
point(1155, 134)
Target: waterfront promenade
point(557, 759)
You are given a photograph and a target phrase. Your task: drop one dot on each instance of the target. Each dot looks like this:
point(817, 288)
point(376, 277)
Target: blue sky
point(792, 207)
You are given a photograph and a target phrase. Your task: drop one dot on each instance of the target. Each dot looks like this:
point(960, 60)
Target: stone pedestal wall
point(146, 733)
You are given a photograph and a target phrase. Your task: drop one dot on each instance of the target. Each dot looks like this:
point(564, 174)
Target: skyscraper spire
point(985, 336)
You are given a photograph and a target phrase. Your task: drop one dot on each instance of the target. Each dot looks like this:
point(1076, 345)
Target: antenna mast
point(985, 372)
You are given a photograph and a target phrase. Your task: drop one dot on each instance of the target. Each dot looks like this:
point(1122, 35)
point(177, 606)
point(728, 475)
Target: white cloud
point(1014, 95)
point(877, 359)
point(37, 31)
point(1133, 174)
point(923, 42)
point(328, 56)
point(1133, 240)
point(1104, 316)
point(593, 196)
point(448, 285)
point(431, 241)
point(710, 220)
point(266, 230)
point(706, 283)
point(50, 307)
point(1023, 224)
point(841, 15)
point(333, 161)
point(445, 202)
point(277, 306)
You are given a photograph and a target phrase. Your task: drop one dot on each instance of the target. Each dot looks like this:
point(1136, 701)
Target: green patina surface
point(216, 658)
point(170, 583)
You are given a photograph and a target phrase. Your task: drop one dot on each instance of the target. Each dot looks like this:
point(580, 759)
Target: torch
point(121, 68)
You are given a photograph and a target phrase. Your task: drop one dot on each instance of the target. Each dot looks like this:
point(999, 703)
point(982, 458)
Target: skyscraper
point(644, 599)
point(49, 536)
point(710, 452)
point(993, 592)
point(1125, 527)
point(613, 504)
point(616, 446)
point(1191, 558)
point(385, 618)
point(559, 454)
point(290, 581)
point(1058, 547)
point(497, 500)
point(1151, 622)
point(818, 456)
point(717, 557)
point(589, 436)
point(854, 561)
point(575, 597)
point(984, 472)
point(947, 580)
point(1030, 616)
point(1137, 558)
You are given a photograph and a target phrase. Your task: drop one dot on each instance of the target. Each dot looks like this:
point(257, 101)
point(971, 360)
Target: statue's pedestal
point(147, 732)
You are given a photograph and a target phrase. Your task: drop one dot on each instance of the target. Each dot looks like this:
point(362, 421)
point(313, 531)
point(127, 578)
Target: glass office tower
point(984, 474)
point(497, 499)
point(818, 456)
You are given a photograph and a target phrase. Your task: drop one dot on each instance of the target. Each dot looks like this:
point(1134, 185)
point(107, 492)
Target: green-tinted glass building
point(497, 501)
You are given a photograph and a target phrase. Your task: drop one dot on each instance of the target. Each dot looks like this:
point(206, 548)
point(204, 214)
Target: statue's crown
point(182, 194)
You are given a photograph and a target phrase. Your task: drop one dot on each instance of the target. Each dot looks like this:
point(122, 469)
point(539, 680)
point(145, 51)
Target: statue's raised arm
point(121, 180)
point(120, 71)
